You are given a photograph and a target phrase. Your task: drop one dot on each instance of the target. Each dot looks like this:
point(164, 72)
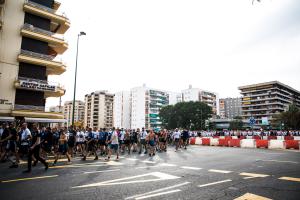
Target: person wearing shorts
point(113, 144)
point(176, 135)
point(151, 141)
point(127, 142)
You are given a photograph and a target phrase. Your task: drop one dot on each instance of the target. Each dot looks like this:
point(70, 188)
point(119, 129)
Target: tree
point(290, 118)
point(189, 115)
point(236, 123)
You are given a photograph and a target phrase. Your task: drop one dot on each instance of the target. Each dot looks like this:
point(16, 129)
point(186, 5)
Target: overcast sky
point(215, 45)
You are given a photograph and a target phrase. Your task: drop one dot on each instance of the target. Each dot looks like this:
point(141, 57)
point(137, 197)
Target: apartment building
point(196, 94)
point(31, 38)
point(99, 109)
point(78, 112)
point(263, 100)
point(122, 109)
point(230, 107)
point(145, 106)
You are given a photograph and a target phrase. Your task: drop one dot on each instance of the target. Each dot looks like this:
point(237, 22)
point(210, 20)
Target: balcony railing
point(29, 107)
point(45, 8)
point(37, 55)
point(40, 81)
point(39, 30)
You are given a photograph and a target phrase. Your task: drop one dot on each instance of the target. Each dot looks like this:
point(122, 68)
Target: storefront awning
point(44, 120)
point(7, 119)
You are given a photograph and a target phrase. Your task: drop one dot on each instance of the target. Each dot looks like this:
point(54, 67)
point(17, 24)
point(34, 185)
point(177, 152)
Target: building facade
point(261, 101)
point(122, 109)
point(145, 106)
point(78, 112)
point(230, 107)
point(31, 37)
point(99, 110)
point(196, 94)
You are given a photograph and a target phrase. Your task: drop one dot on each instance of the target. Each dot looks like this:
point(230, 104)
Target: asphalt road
point(197, 173)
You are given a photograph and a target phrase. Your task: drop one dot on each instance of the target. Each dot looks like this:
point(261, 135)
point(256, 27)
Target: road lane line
point(132, 159)
point(249, 196)
point(192, 168)
point(289, 179)
point(158, 194)
point(101, 171)
point(252, 175)
point(220, 171)
point(148, 161)
point(27, 179)
point(280, 161)
point(167, 165)
point(159, 190)
point(215, 183)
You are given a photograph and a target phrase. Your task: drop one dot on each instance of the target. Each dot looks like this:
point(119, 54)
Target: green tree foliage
point(189, 115)
point(236, 123)
point(291, 118)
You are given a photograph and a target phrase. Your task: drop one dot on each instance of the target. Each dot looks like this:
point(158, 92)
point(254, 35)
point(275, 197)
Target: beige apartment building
point(31, 37)
point(263, 100)
point(99, 110)
point(78, 112)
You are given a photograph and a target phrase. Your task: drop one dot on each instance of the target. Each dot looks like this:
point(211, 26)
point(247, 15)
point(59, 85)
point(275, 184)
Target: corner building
point(31, 37)
point(263, 100)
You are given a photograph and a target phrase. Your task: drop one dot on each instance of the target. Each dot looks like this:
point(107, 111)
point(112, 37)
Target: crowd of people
point(37, 143)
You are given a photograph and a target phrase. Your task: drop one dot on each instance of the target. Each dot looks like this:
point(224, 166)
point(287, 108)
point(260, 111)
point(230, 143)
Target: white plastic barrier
point(276, 144)
point(280, 137)
point(222, 137)
point(234, 137)
point(265, 137)
point(296, 137)
point(249, 137)
point(198, 140)
point(214, 141)
point(248, 143)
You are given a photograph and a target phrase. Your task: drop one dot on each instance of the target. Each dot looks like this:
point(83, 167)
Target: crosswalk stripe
point(26, 179)
point(148, 161)
point(289, 179)
point(192, 168)
point(220, 171)
point(157, 194)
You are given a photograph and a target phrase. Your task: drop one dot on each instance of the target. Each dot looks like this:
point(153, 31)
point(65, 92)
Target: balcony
point(58, 44)
point(59, 23)
point(53, 67)
point(34, 111)
point(49, 89)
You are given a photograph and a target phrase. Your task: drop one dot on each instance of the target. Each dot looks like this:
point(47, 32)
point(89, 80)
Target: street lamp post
point(73, 106)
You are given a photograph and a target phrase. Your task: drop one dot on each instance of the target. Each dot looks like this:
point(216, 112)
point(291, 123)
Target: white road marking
point(159, 190)
point(220, 171)
point(27, 179)
point(252, 175)
point(192, 168)
point(148, 161)
point(101, 171)
point(159, 177)
point(157, 194)
point(167, 165)
point(249, 196)
point(290, 179)
point(214, 183)
point(280, 161)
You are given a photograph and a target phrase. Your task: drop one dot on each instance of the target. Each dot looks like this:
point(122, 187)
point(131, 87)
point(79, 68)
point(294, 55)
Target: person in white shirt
point(143, 143)
point(113, 142)
point(176, 135)
point(80, 141)
point(25, 139)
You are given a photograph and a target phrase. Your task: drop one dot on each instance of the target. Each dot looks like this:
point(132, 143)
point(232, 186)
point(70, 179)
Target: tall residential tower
point(31, 37)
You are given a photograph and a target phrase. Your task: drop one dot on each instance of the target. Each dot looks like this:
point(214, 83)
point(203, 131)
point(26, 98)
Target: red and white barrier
point(262, 143)
point(276, 144)
point(234, 143)
point(291, 144)
point(206, 141)
point(248, 143)
point(214, 141)
point(198, 140)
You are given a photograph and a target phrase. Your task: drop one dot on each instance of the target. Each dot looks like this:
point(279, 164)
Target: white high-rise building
point(122, 109)
point(174, 97)
point(78, 112)
point(145, 106)
point(99, 110)
point(196, 94)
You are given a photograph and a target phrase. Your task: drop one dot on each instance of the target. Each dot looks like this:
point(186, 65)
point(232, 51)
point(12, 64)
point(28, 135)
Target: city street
point(199, 172)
